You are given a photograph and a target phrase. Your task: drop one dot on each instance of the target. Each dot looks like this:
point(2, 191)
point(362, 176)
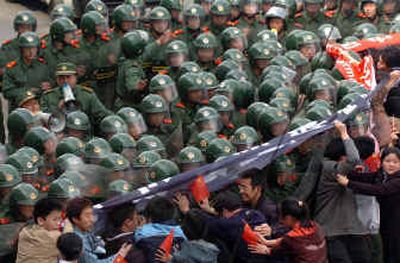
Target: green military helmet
point(243, 95)
point(262, 50)
point(9, 176)
point(62, 10)
point(227, 87)
point(306, 79)
point(118, 187)
point(219, 148)
point(153, 103)
point(298, 122)
point(207, 118)
point(135, 3)
point(97, 148)
point(189, 67)
point(235, 55)
point(245, 137)
point(161, 170)
point(19, 121)
point(134, 119)
point(348, 99)
point(346, 87)
point(254, 111)
point(194, 10)
point(163, 84)
point(329, 32)
point(61, 26)
point(28, 39)
point(291, 39)
point(113, 124)
point(268, 87)
point(171, 5)
point(23, 163)
point(89, 21)
point(285, 92)
point(146, 159)
point(24, 194)
point(298, 38)
point(362, 30)
point(123, 13)
point(190, 155)
point(189, 82)
point(98, 6)
point(322, 60)
point(68, 162)
point(358, 119)
point(283, 164)
point(150, 143)
point(350, 39)
point(25, 18)
point(63, 188)
point(222, 69)
point(134, 43)
point(210, 80)
point(231, 33)
point(297, 58)
point(289, 5)
point(270, 117)
point(276, 12)
point(31, 153)
point(203, 139)
point(282, 61)
point(36, 137)
point(394, 28)
point(283, 104)
point(70, 145)
point(221, 103)
point(320, 2)
point(177, 47)
point(77, 120)
point(159, 13)
point(266, 35)
point(319, 103)
point(205, 40)
point(271, 69)
point(320, 84)
point(318, 113)
point(121, 141)
point(115, 162)
point(220, 8)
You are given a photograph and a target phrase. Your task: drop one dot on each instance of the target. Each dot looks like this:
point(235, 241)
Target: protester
point(69, 246)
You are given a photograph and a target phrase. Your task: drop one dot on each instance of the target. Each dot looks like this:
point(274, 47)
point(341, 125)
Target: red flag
point(166, 245)
point(199, 189)
point(373, 162)
point(249, 235)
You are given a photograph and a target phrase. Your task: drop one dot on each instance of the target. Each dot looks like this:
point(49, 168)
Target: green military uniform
point(219, 8)
point(160, 170)
point(70, 145)
point(306, 22)
point(130, 73)
point(173, 6)
point(174, 49)
point(9, 177)
point(218, 148)
point(22, 78)
point(245, 137)
point(112, 125)
point(206, 41)
point(140, 165)
point(224, 107)
point(85, 98)
point(190, 158)
point(117, 188)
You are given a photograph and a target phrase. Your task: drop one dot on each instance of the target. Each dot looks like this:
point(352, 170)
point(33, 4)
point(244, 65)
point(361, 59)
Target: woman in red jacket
point(305, 243)
point(385, 185)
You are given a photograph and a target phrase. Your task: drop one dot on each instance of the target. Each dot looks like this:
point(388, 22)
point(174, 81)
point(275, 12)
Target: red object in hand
point(249, 235)
point(166, 245)
point(199, 189)
point(373, 162)
point(120, 259)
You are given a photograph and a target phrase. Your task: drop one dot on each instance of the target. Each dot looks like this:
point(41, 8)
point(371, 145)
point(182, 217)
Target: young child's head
point(47, 213)
point(293, 212)
point(70, 246)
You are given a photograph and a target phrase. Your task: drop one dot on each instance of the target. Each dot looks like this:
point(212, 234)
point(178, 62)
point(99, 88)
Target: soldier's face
point(309, 51)
point(29, 53)
point(279, 129)
point(26, 211)
point(195, 96)
point(265, 7)
point(175, 60)
point(70, 80)
point(330, 4)
point(323, 95)
point(206, 7)
point(225, 117)
point(369, 10)
point(219, 20)
point(276, 23)
point(127, 26)
point(68, 37)
point(389, 9)
point(100, 29)
point(160, 26)
point(262, 63)
point(205, 54)
point(24, 28)
point(193, 23)
point(235, 12)
point(237, 43)
point(313, 9)
point(175, 14)
point(155, 119)
point(250, 10)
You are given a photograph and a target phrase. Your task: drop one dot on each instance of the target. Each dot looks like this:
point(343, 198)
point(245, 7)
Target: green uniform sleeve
point(97, 110)
point(10, 90)
point(132, 76)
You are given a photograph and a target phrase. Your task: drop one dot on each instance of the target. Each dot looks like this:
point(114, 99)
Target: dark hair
point(257, 177)
point(227, 200)
point(159, 209)
point(75, 207)
point(70, 246)
point(44, 207)
point(297, 209)
point(390, 55)
point(390, 150)
point(335, 149)
point(120, 214)
point(365, 146)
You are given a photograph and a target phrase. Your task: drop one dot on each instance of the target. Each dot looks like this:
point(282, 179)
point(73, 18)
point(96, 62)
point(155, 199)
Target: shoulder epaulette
point(232, 23)
point(180, 105)
point(41, 60)
point(90, 90)
point(78, 33)
point(205, 29)
point(43, 43)
point(105, 37)
point(178, 32)
point(75, 43)
point(299, 14)
point(298, 25)
point(230, 126)
point(218, 61)
point(5, 42)
point(4, 221)
point(49, 91)
point(11, 64)
point(361, 15)
point(330, 13)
